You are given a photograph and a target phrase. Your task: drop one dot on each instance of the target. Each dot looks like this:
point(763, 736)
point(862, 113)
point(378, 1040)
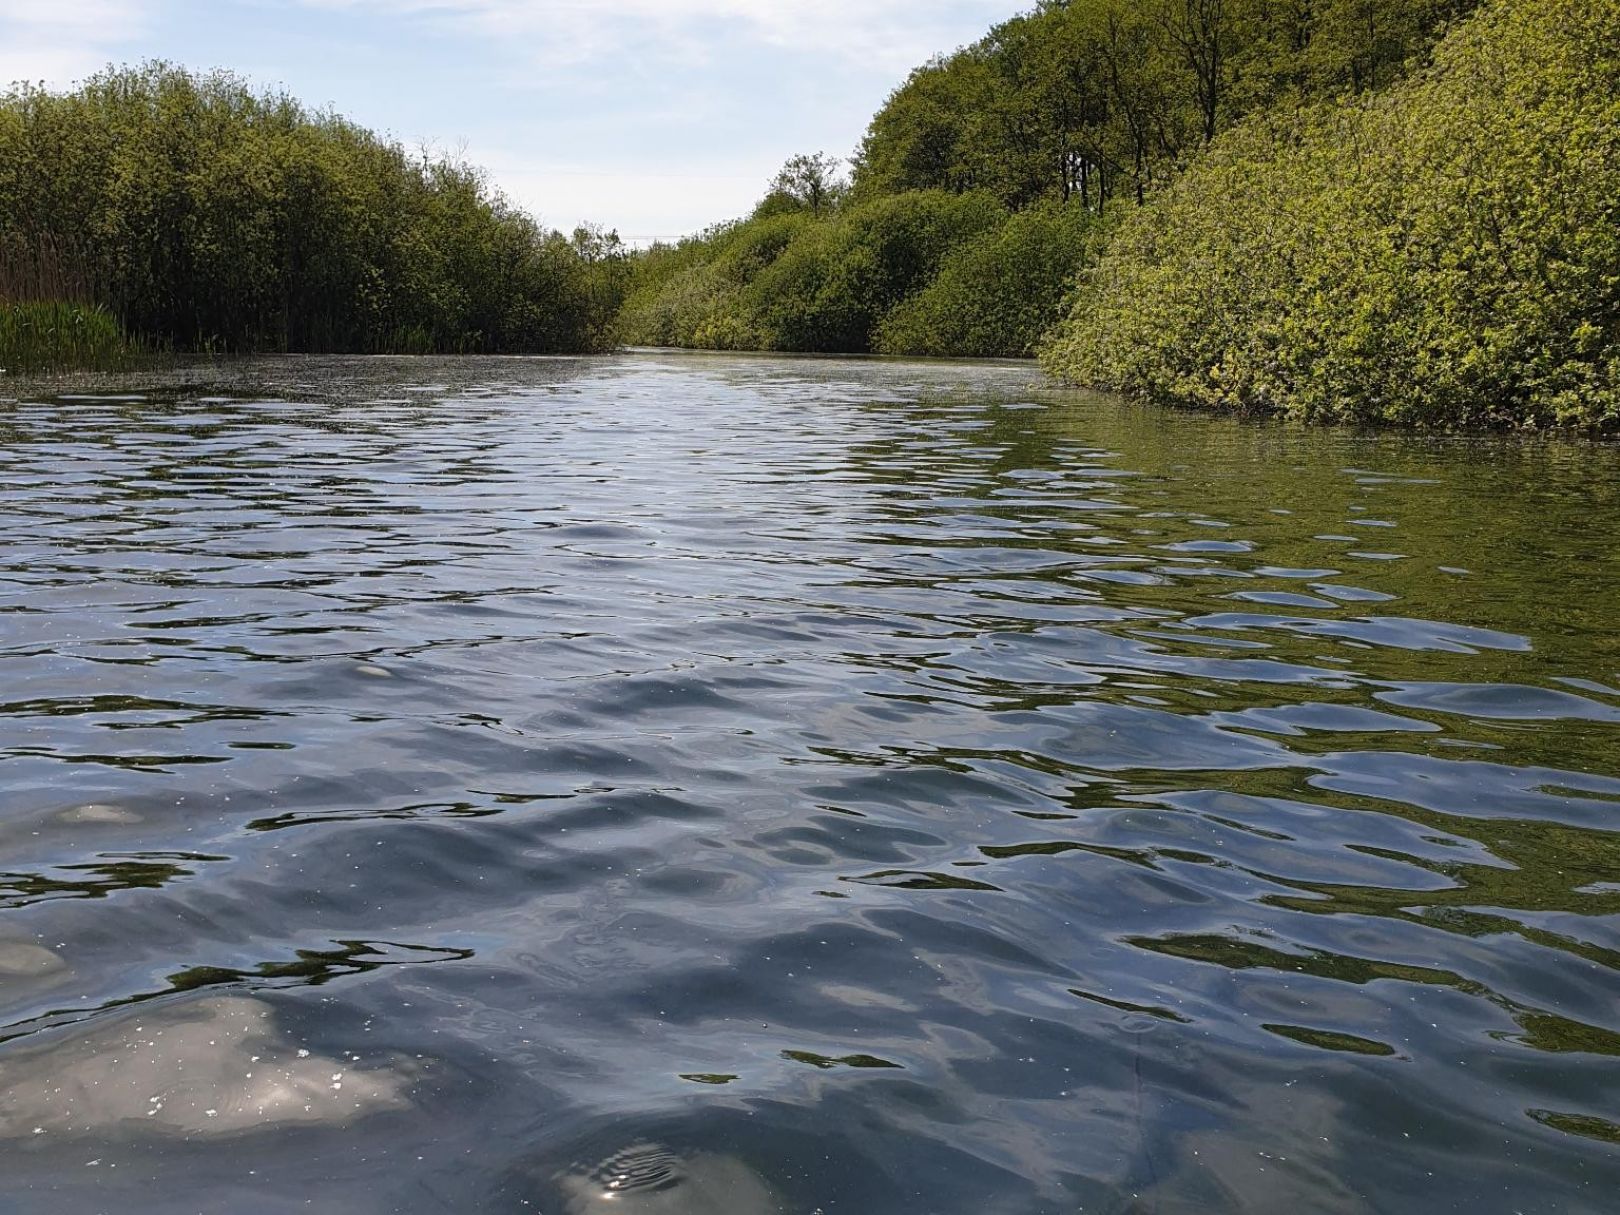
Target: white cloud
point(893, 35)
point(59, 41)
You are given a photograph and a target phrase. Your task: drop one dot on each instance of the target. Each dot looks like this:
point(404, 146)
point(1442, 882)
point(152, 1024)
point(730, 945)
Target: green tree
point(813, 181)
point(998, 293)
point(1442, 253)
point(205, 214)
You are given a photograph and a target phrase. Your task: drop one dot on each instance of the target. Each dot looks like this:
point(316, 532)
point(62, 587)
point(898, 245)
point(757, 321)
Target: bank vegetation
point(1373, 211)
point(201, 214)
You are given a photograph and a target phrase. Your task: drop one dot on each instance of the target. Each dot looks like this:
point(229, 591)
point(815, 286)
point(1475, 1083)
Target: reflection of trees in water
point(313, 967)
point(309, 968)
point(144, 871)
point(1542, 1030)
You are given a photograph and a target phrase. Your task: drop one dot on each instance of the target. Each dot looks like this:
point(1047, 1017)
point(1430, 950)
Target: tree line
point(206, 215)
point(1366, 210)
point(993, 175)
point(1099, 99)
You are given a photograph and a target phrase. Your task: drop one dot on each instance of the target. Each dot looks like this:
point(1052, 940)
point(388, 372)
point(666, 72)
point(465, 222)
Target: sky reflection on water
point(795, 785)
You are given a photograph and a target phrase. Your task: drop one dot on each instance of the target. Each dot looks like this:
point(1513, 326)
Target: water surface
point(716, 785)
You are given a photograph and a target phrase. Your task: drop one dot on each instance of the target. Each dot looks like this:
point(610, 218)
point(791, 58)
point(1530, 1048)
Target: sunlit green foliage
point(691, 294)
point(1050, 124)
point(1444, 252)
point(831, 288)
point(790, 281)
point(1101, 99)
point(206, 215)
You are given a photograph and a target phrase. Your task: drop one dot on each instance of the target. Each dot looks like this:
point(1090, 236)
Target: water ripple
point(743, 786)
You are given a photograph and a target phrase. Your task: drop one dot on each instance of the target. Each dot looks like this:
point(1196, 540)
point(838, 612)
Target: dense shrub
point(691, 294)
point(786, 279)
point(207, 215)
point(833, 286)
point(1000, 292)
point(1445, 252)
point(693, 307)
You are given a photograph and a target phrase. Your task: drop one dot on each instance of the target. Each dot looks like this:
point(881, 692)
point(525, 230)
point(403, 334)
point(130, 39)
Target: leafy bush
point(1446, 252)
point(691, 294)
point(788, 280)
point(999, 293)
point(205, 214)
point(833, 286)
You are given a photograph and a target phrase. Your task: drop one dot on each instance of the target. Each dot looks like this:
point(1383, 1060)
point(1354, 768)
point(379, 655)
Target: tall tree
point(812, 180)
point(1201, 31)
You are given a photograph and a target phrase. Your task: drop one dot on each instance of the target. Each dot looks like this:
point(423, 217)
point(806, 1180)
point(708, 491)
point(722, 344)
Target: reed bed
point(38, 334)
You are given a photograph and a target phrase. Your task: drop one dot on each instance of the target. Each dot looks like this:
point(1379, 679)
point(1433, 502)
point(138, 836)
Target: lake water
point(718, 786)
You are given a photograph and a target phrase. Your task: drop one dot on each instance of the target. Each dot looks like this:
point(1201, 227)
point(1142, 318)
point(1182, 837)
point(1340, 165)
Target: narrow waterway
point(701, 785)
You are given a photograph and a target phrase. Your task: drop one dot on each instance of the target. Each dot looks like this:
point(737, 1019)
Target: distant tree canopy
point(207, 215)
point(1093, 99)
point(793, 281)
point(811, 182)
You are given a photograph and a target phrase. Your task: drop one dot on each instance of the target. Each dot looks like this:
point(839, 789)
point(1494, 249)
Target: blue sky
point(656, 117)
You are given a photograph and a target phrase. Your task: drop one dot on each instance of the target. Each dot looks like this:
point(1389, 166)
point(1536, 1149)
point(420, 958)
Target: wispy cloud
point(63, 40)
point(891, 35)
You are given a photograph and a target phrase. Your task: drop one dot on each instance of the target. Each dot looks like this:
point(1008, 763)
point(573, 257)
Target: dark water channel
point(713, 786)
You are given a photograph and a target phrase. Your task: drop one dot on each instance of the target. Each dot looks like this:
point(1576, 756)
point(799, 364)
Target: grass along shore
point(43, 334)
